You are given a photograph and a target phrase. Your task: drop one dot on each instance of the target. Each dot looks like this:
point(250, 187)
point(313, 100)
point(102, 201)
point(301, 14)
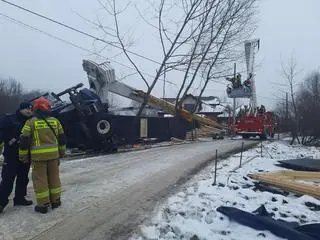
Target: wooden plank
point(288, 185)
point(295, 175)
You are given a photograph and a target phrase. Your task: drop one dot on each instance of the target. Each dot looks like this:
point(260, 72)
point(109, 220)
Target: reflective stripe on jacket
point(38, 141)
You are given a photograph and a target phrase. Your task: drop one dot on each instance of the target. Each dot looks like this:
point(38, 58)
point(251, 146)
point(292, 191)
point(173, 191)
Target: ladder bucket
point(241, 92)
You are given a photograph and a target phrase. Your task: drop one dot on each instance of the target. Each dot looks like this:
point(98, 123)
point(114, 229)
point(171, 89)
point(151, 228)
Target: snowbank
point(191, 213)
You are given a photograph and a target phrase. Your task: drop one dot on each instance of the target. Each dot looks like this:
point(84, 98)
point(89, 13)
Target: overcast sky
point(285, 27)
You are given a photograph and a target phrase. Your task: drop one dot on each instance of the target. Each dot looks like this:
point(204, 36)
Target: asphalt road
point(106, 197)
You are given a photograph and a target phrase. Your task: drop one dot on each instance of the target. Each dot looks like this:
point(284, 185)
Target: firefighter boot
point(56, 204)
point(22, 202)
point(41, 209)
point(3, 205)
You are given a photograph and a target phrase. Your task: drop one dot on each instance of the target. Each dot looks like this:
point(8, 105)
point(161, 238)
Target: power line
point(71, 43)
point(83, 33)
point(77, 30)
point(43, 32)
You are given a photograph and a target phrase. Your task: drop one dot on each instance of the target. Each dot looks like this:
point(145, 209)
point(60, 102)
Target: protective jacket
point(42, 139)
point(10, 128)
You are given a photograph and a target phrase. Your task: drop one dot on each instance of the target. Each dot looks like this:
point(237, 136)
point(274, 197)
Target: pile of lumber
point(288, 181)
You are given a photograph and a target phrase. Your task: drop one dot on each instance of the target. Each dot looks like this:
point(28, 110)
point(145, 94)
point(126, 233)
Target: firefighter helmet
point(41, 104)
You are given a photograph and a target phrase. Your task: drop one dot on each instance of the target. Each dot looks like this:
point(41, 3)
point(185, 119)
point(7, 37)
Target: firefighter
point(43, 140)
point(247, 83)
point(13, 169)
point(237, 82)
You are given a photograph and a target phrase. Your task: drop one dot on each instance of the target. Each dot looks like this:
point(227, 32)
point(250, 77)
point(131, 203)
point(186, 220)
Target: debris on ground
point(304, 164)
point(261, 219)
point(193, 210)
point(287, 180)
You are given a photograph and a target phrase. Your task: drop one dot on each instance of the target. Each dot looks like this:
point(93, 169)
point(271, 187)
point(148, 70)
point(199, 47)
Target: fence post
point(261, 149)
point(241, 153)
point(215, 168)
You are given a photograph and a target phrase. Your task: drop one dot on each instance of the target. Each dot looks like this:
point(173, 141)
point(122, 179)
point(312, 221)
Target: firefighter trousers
point(11, 171)
point(46, 182)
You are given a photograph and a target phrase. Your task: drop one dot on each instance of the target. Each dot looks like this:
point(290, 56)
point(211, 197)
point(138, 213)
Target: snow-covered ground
point(191, 213)
point(109, 195)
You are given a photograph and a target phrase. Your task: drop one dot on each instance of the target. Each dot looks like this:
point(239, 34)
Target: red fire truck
point(251, 125)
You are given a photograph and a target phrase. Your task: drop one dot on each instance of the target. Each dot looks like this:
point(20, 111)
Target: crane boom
point(102, 80)
point(170, 108)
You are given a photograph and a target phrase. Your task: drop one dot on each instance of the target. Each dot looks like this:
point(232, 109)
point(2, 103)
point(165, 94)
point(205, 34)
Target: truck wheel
point(245, 136)
point(101, 126)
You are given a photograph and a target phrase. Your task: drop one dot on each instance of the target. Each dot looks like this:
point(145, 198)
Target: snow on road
point(191, 213)
point(104, 191)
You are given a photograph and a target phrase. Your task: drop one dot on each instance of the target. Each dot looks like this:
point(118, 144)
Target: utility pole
point(164, 85)
point(287, 107)
point(234, 103)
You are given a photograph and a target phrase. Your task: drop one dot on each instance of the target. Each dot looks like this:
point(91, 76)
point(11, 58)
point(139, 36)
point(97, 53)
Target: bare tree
point(28, 96)
point(195, 36)
point(308, 106)
point(281, 113)
point(230, 23)
point(289, 73)
point(10, 92)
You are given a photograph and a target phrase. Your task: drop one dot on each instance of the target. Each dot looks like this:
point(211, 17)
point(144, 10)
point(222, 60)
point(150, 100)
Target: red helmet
point(42, 104)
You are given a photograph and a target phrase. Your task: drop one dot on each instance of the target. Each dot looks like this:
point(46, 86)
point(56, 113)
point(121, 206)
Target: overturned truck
point(89, 124)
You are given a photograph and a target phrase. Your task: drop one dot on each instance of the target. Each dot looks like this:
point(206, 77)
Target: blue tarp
point(303, 164)
point(260, 219)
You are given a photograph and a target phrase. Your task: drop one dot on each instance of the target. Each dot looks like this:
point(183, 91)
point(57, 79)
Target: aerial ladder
point(102, 80)
point(247, 89)
point(252, 121)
